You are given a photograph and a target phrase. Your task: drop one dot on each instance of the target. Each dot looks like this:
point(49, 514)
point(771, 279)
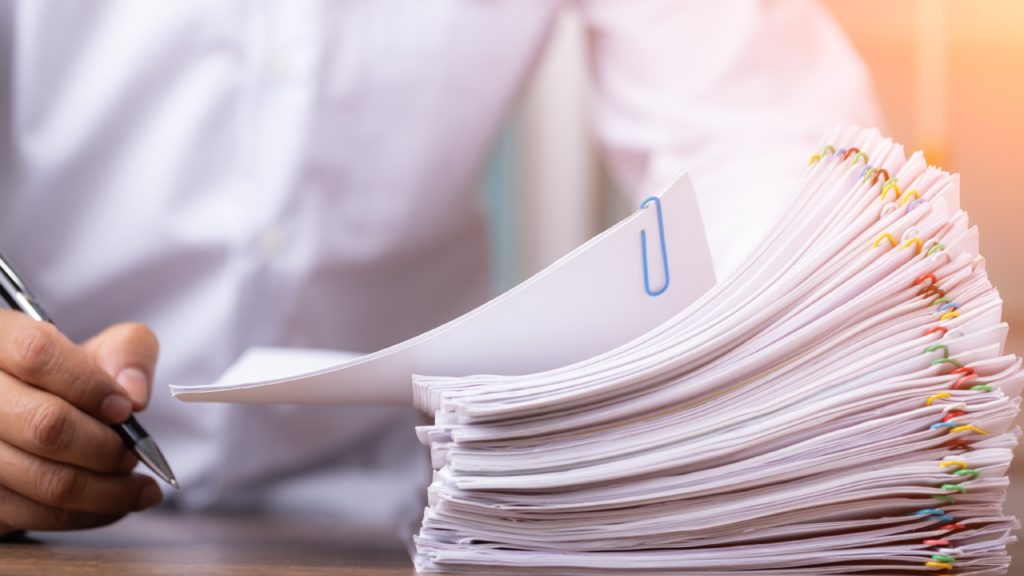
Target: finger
point(36, 353)
point(45, 425)
point(20, 513)
point(67, 487)
point(127, 352)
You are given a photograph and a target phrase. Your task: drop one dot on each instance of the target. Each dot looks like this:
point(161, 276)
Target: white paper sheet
point(586, 303)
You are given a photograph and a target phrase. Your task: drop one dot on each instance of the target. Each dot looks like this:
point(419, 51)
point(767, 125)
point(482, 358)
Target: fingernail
point(128, 462)
point(150, 496)
point(116, 408)
point(134, 382)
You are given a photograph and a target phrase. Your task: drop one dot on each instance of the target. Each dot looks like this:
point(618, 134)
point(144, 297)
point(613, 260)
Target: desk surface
point(152, 543)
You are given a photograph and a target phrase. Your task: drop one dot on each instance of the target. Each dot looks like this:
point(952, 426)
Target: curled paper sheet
point(596, 298)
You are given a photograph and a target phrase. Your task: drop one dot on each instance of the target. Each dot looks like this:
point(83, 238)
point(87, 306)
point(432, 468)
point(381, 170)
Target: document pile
point(839, 405)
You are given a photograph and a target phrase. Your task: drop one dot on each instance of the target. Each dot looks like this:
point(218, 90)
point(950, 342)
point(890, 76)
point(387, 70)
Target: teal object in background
point(498, 192)
point(504, 197)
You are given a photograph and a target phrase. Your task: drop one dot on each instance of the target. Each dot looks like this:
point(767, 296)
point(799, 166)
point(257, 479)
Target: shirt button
point(278, 68)
point(284, 68)
point(272, 241)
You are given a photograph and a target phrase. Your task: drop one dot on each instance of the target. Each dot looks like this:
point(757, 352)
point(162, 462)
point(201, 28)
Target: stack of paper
point(840, 405)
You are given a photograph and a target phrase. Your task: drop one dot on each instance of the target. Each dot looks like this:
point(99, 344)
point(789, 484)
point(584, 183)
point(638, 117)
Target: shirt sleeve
point(737, 92)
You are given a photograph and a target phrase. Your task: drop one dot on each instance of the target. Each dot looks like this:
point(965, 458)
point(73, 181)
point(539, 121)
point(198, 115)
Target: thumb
point(127, 352)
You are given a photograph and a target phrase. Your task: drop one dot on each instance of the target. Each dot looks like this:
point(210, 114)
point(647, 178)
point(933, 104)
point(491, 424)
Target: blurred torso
point(260, 173)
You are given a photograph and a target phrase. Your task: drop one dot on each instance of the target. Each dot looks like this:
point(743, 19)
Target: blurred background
point(949, 75)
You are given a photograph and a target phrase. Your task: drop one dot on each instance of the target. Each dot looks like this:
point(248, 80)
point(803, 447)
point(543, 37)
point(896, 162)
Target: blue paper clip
point(664, 250)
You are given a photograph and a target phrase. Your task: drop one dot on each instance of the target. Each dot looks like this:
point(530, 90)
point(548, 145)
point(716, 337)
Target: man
point(301, 173)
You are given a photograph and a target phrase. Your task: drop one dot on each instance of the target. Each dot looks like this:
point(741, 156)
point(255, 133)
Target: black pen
point(135, 437)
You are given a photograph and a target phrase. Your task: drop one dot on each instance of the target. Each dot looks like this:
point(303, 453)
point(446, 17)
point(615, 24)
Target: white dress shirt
point(302, 172)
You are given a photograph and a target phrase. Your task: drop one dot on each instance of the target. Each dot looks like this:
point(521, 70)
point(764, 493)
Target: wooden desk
point(153, 543)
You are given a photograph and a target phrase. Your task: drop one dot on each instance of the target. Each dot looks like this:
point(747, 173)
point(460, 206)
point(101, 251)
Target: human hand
point(61, 464)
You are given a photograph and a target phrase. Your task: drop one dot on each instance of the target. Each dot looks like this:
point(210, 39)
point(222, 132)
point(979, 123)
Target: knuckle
point(35, 349)
point(60, 485)
point(49, 426)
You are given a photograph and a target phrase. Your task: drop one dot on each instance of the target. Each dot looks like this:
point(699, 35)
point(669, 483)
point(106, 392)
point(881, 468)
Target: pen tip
point(150, 455)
